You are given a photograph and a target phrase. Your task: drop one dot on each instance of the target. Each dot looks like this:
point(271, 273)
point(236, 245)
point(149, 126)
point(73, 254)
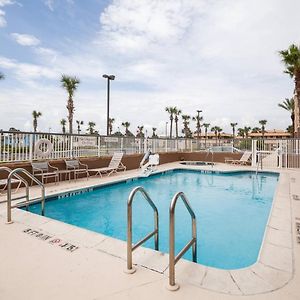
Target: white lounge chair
point(151, 165)
point(242, 161)
point(115, 164)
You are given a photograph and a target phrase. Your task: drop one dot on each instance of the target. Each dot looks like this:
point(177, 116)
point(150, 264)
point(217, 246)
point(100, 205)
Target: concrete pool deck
point(36, 267)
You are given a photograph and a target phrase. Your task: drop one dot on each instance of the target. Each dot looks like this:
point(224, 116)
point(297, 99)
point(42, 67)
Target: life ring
point(39, 152)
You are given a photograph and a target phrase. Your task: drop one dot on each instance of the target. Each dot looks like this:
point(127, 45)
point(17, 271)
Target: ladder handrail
point(14, 173)
point(192, 243)
point(130, 247)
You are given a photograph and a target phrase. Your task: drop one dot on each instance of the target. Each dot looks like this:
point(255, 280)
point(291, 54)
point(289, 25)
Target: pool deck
point(43, 258)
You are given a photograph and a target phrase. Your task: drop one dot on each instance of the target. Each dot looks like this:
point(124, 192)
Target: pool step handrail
point(172, 286)
point(15, 173)
point(130, 247)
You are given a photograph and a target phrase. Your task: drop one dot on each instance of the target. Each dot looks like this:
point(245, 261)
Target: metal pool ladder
point(192, 243)
point(15, 173)
point(130, 248)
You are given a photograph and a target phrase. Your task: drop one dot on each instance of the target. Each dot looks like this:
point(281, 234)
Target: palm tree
point(217, 130)
point(63, 123)
point(2, 76)
point(35, 115)
point(154, 135)
point(140, 133)
point(91, 127)
point(255, 130)
point(126, 125)
point(246, 132)
point(198, 120)
point(206, 125)
point(110, 125)
point(233, 129)
point(263, 123)
point(291, 60)
point(186, 130)
point(289, 105)
point(70, 84)
point(171, 110)
point(79, 123)
point(241, 132)
point(177, 112)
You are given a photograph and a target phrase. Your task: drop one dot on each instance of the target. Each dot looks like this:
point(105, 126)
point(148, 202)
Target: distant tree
point(289, 105)
point(154, 135)
point(63, 123)
point(2, 76)
point(177, 113)
point(206, 125)
point(233, 125)
point(171, 110)
point(110, 125)
point(198, 120)
point(290, 129)
point(35, 115)
point(79, 123)
point(255, 130)
point(128, 133)
point(246, 131)
point(91, 128)
point(291, 60)
point(186, 130)
point(241, 132)
point(263, 124)
point(70, 84)
point(140, 133)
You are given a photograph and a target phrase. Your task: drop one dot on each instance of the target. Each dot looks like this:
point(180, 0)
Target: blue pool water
point(231, 209)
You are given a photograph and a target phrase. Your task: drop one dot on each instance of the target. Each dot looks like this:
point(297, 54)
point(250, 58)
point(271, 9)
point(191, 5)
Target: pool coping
point(271, 271)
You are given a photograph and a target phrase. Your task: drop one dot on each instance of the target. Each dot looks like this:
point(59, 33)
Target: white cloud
point(50, 4)
point(218, 56)
point(2, 19)
point(25, 39)
point(27, 72)
point(5, 2)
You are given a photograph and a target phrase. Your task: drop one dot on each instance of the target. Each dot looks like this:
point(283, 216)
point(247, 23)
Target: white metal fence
point(276, 153)
point(23, 146)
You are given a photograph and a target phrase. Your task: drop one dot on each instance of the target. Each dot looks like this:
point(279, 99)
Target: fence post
point(99, 148)
point(254, 150)
point(166, 141)
point(30, 146)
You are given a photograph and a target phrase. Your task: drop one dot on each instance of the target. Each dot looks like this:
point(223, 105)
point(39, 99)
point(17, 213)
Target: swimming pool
point(232, 210)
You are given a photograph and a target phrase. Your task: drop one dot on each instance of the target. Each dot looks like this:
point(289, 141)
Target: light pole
point(109, 78)
point(198, 123)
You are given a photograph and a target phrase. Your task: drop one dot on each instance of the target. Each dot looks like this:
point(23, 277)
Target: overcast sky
point(220, 56)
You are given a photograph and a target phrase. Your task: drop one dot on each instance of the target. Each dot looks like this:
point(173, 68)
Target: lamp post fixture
point(198, 124)
point(109, 78)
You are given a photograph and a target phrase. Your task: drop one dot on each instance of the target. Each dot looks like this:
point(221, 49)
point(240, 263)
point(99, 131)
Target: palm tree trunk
point(70, 108)
point(176, 126)
point(297, 104)
point(171, 127)
point(34, 124)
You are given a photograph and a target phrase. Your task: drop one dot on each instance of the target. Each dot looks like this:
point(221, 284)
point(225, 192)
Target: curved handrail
point(130, 247)
point(13, 173)
point(192, 243)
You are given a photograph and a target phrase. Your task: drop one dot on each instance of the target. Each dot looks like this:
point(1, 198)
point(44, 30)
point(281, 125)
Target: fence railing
point(276, 153)
point(22, 146)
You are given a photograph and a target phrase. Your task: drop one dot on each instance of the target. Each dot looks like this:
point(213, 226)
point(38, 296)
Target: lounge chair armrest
point(34, 169)
point(84, 165)
point(52, 167)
